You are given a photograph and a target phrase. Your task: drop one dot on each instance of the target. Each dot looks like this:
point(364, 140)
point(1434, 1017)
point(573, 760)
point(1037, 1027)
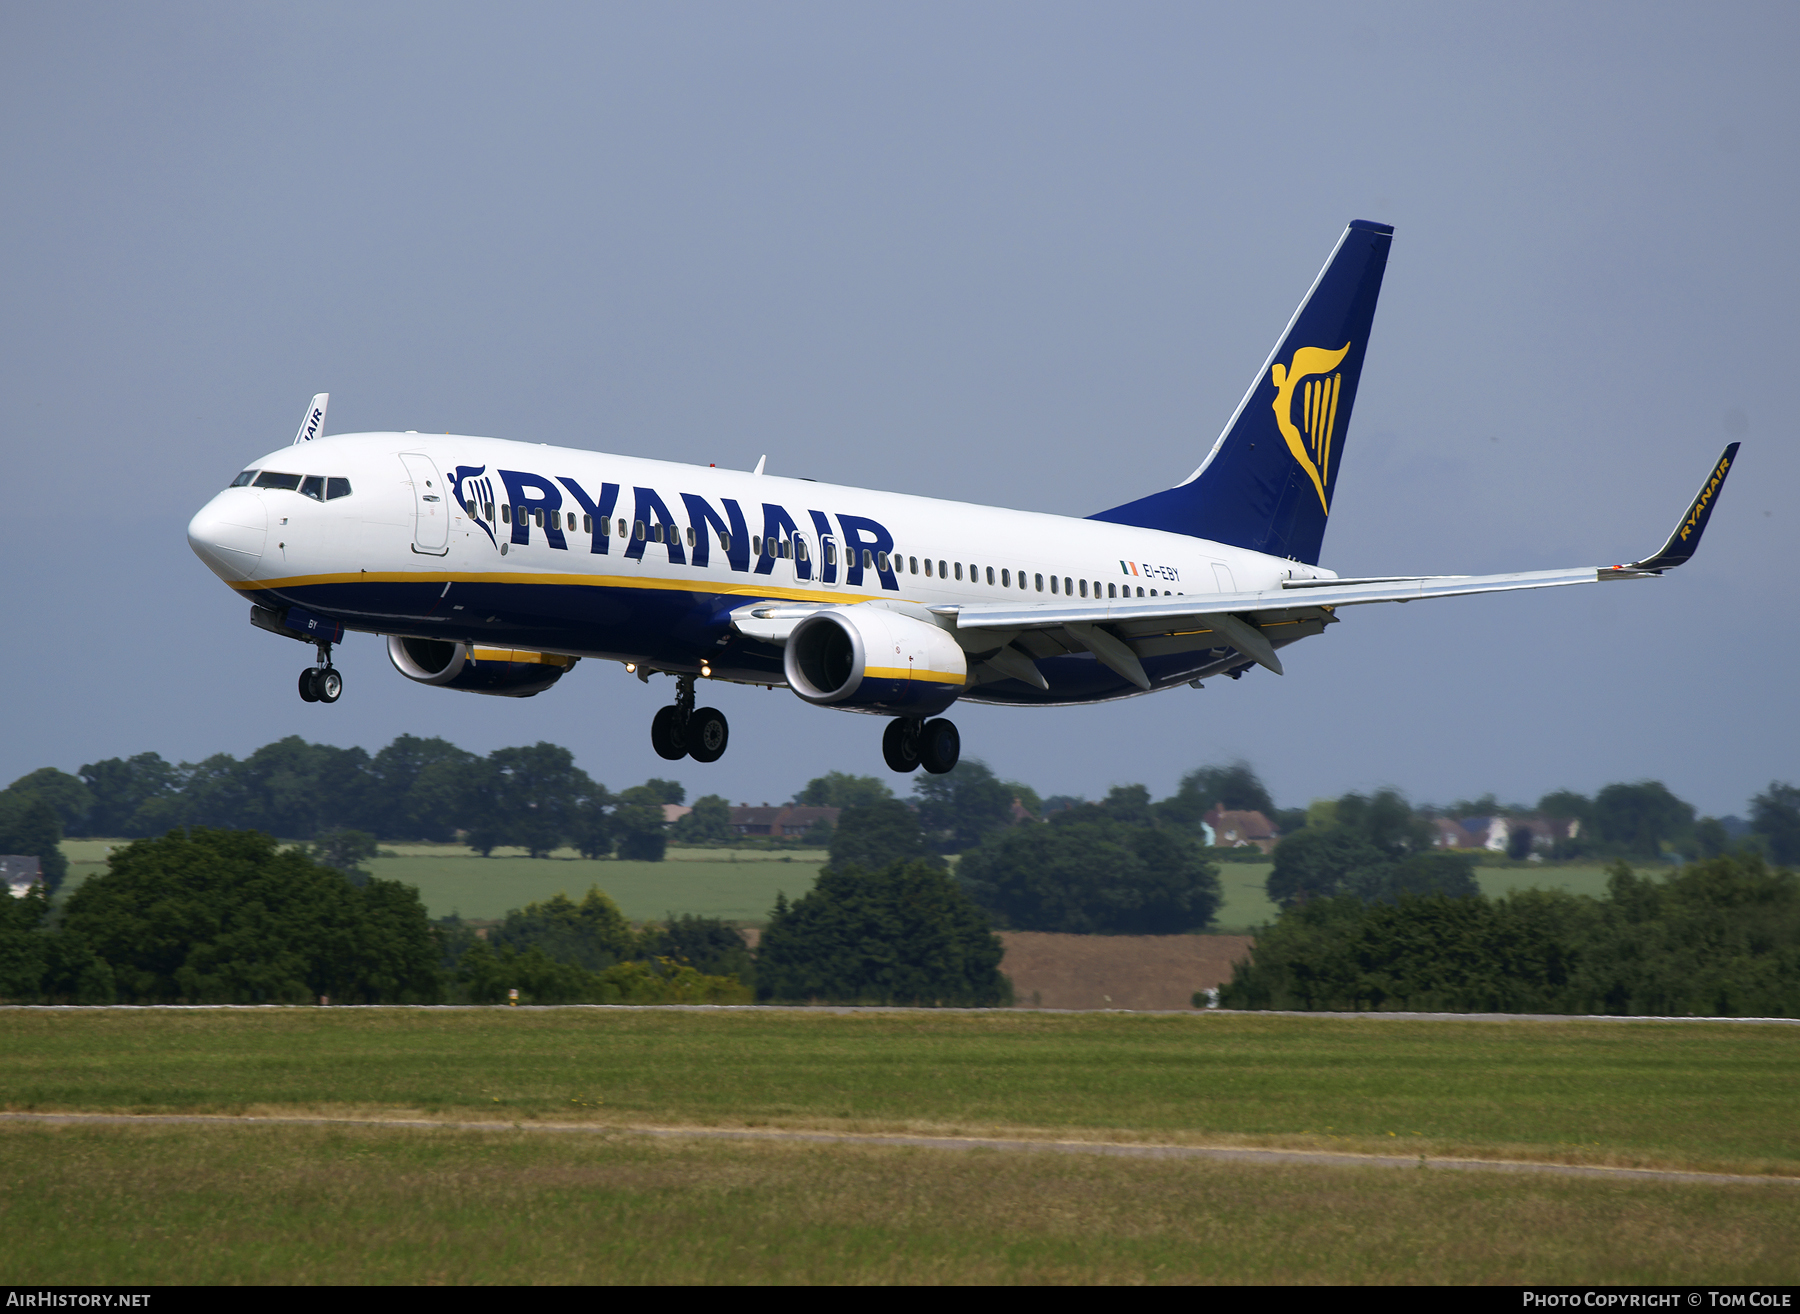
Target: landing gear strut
point(322, 683)
point(910, 743)
point(681, 731)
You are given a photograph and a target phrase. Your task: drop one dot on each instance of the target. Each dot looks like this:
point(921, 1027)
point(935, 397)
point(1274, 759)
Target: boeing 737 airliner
point(492, 567)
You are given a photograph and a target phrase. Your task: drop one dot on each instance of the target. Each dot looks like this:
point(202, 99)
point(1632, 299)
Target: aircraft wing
point(1120, 632)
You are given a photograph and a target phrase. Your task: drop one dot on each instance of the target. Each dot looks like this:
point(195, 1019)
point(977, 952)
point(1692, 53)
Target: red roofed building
point(1239, 830)
point(783, 820)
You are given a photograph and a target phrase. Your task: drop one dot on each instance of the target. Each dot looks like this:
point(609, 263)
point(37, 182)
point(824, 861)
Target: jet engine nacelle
point(870, 659)
point(505, 672)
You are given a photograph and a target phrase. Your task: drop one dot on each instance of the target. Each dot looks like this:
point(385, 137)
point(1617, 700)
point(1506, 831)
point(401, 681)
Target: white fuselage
point(452, 537)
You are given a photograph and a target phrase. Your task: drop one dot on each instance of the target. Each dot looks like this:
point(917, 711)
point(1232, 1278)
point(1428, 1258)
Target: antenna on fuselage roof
point(314, 423)
point(761, 461)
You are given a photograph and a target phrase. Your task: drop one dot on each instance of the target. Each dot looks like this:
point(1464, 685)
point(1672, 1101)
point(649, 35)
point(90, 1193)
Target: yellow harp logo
point(1311, 442)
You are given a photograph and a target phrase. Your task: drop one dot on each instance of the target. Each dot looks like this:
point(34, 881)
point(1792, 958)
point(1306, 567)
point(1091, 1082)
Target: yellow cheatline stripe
point(520, 655)
point(906, 673)
point(748, 591)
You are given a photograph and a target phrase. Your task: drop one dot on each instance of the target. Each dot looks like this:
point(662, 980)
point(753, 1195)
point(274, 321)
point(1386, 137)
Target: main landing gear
point(910, 742)
point(681, 731)
point(321, 683)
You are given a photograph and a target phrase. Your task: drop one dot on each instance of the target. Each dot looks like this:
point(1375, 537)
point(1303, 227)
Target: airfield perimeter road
point(1111, 1148)
point(891, 1008)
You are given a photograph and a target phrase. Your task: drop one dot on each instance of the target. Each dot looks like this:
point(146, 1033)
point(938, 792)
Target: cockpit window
point(314, 487)
point(269, 479)
point(243, 479)
point(335, 487)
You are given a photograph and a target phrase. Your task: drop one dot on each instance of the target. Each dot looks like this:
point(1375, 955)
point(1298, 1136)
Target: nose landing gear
point(322, 683)
point(910, 743)
point(681, 731)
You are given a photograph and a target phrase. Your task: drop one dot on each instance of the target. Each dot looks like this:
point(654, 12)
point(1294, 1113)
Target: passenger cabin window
point(943, 569)
point(506, 513)
point(623, 532)
point(928, 566)
point(1053, 583)
point(1112, 590)
point(990, 574)
point(868, 559)
point(243, 479)
point(959, 570)
point(830, 553)
point(800, 550)
point(913, 563)
point(1084, 588)
point(883, 563)
point(313, 486)
point(1040, 583)
point(269, 479)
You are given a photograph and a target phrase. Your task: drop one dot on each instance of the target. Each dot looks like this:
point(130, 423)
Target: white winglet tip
point(314, 423)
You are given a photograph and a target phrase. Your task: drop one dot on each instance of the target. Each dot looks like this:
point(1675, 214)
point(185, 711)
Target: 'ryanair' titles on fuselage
point(859, 546)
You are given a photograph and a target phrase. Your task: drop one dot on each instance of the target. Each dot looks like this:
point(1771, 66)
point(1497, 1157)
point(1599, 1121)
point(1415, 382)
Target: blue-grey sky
point(1026, 254)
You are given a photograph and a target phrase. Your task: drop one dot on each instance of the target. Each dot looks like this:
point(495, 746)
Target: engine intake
point(870, 659)
point(503, 672)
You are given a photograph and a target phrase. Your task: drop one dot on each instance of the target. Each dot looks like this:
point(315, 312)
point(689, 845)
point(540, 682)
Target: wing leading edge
point(1254, 624)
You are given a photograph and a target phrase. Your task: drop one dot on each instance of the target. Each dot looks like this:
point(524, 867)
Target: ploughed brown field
point(1110, 971)
point(1117, 971)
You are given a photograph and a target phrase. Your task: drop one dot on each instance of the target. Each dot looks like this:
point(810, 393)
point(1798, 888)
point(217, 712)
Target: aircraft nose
point(228, 533)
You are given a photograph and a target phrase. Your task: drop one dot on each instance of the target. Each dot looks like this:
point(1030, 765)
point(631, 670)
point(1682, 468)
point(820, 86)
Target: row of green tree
point(537, 798)
point(217, 916)
point(1717, 938)
point(532, 797)
point(232, 917)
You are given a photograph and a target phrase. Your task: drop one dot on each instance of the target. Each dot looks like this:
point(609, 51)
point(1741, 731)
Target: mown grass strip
point(361, 1205)
point(1705, 1097)
point(1143, 1150)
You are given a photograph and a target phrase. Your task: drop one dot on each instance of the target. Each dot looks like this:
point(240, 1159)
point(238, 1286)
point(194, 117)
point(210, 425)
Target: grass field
point(739, 885)
point(356, 1204)
point(1714, 1096)
point(1247, 904)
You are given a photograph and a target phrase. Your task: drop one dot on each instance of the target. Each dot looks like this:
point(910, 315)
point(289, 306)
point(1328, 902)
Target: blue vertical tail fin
point(1267, 483)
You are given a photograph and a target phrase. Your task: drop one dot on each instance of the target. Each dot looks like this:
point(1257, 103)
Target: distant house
point(1495, 833)
point(1490, 833)
point(1448, 834)
point(1239, 830)
point(784, 820)
point(20, 871)
point(674, 812)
